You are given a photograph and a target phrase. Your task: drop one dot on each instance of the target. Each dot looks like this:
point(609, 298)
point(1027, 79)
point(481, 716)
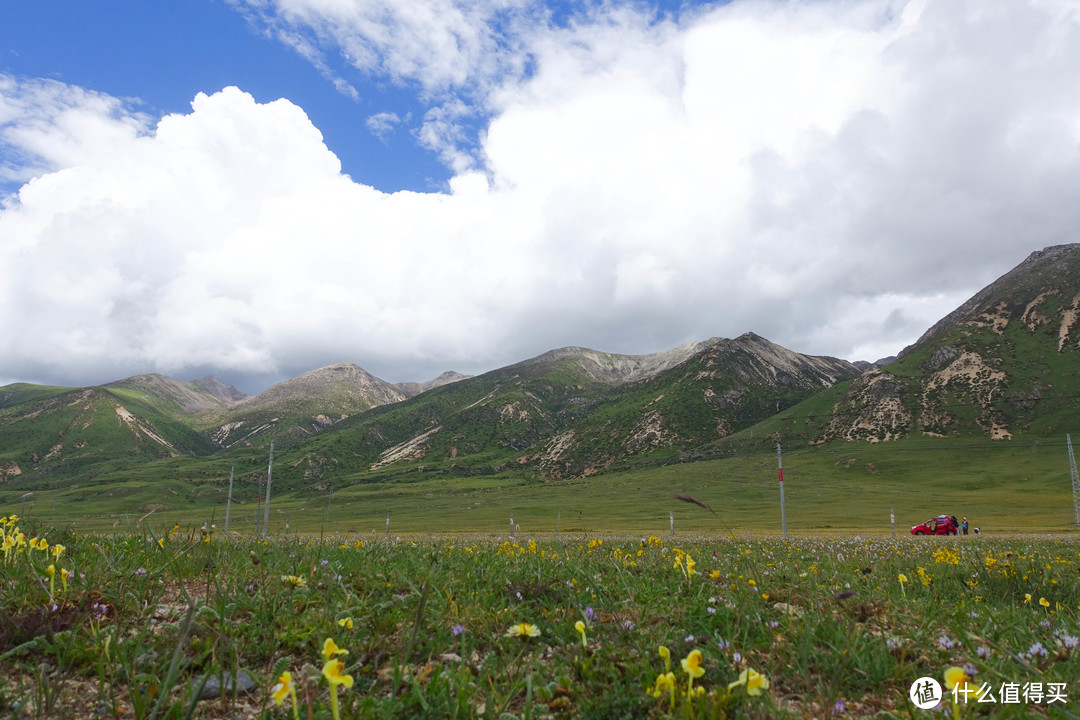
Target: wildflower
point(330, 650)
point(140, 572)
point(294, 580)
point(665, 655)
point(736, 657)
point(628, 625)
point(285, 687)
point(52, 577)
point(903, 579)
point(1069, 642)
point(983, 652)
point(334, 672)
point(457, 630)
point(691, 665)
point(523, 630)
point(161, 543)
point(590, 614)
point(57, 550)
point(665, 683)
point(345, 622)
point(64, 574)
point(1036, 650)
point(946, 643)
point(754, 681)
point(838, 707)
point(1027, 598)
point(1044, 602)
point(956, 680)
point(580, 627)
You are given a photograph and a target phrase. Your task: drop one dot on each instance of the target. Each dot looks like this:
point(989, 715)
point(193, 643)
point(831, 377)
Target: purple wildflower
point(457, 630)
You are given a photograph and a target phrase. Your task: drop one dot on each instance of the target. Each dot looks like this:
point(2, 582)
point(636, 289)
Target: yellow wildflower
point(285, 687)
point(345, 622)
point(956, 680)
point(523, 630)
point(1044, 602)
point(665, 684)
point(295, 580)
point(691, 665)
point(330, 650)
point(334, 672)
point(754, 681)
point(580, 627)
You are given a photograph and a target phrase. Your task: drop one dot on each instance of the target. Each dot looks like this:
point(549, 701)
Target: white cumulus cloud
point(835, 176)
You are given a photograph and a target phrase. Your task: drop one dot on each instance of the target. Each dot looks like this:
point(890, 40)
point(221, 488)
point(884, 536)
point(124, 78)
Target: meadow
point(138, 623)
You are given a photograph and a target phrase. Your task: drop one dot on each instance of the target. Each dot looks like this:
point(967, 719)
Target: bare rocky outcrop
point(412, 389)
point(191, 398)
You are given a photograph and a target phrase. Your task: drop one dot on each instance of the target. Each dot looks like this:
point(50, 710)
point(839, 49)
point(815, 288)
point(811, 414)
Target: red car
point(941, 525)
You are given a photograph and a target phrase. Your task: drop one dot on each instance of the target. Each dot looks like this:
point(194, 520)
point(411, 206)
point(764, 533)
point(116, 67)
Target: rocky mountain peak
point(221, 390)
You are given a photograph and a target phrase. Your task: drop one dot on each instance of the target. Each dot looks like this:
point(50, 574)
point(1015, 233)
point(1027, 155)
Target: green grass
point(425, 621)
point(1019, 485)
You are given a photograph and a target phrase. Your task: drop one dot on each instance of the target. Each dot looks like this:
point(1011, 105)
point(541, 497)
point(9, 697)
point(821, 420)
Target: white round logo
point(925, 693)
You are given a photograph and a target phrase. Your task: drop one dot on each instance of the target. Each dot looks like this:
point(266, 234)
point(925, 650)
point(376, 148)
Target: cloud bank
point(833, 176)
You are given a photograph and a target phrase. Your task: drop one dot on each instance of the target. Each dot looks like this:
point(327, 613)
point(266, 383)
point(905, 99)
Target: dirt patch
point(412, 449)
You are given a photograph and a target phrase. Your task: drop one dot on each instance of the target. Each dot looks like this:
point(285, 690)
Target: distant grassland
point(1021, 485)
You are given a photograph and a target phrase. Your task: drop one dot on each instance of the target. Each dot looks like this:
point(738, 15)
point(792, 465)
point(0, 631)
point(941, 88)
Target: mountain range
point(1002, 365)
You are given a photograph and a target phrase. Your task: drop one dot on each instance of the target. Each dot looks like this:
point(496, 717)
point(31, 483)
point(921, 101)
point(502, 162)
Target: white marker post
point(780, 469)
point(269, 475)
point(228, 500)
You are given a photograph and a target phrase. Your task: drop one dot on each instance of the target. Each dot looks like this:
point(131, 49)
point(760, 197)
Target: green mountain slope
point(570, 412)
point(88, 430)
point(1006, 364)
point(296, 409)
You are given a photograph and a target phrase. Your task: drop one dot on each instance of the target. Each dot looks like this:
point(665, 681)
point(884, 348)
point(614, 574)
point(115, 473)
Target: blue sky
point(257, 188)
point(163, 53)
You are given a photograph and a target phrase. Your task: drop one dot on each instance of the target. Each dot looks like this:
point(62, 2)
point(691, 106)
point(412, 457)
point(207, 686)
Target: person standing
point(964, 525)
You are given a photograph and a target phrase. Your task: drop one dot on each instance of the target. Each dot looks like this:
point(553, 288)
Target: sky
point(258, 188)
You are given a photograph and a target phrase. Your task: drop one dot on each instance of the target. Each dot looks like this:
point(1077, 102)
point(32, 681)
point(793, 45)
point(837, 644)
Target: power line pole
point(269, 475)
point(1075, 479)
point(780, 469)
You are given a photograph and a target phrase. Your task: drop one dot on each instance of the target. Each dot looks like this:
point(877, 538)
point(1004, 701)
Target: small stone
point(212, 689)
